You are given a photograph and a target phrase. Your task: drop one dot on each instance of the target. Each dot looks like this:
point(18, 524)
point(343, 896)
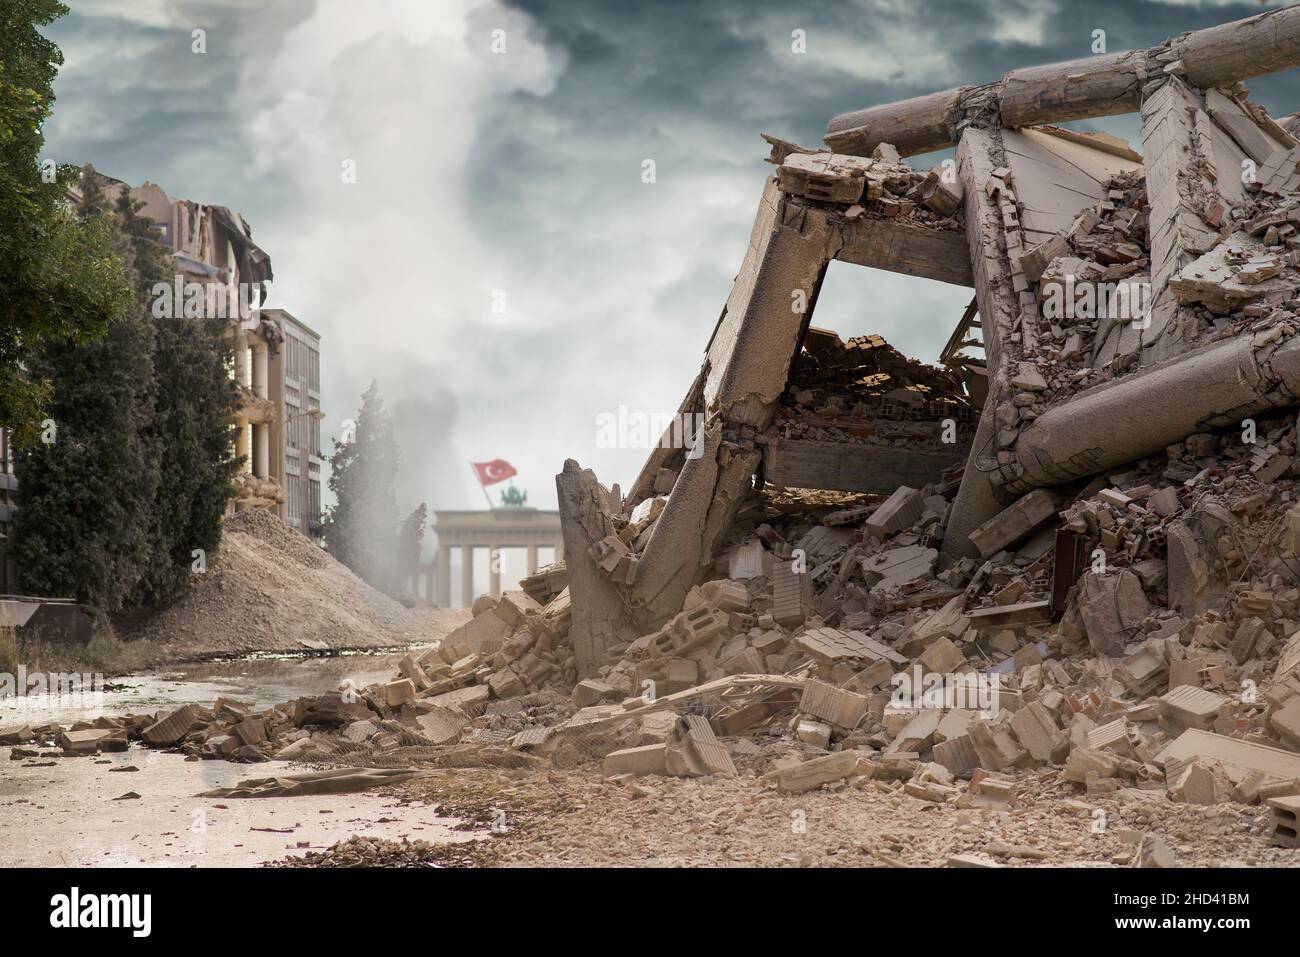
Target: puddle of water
point(264, 680)
point(66, 814)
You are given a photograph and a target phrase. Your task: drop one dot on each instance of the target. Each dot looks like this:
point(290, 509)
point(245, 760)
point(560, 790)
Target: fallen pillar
point(1214, 386)
point(1103, 85)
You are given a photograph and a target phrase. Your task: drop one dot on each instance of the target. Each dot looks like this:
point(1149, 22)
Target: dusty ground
point(572, 818)
point(66, 812)
point(271, 590)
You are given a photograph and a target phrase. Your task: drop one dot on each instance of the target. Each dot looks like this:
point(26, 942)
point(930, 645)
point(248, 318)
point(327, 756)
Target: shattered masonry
point(1098, 518)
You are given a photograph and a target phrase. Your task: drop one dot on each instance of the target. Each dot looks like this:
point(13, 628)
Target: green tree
point(87, 494)
point(361, 529)
point(196, 397)
point(410, 539)
point(60, 277)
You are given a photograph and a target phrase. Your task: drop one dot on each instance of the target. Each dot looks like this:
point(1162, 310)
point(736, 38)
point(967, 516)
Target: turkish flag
point(489, 473)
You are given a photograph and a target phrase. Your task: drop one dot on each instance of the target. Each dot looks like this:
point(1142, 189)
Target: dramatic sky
point(489, 180)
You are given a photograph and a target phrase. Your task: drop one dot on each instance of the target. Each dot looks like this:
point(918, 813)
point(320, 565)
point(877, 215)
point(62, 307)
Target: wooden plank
point(845, 467)
point(907, 249)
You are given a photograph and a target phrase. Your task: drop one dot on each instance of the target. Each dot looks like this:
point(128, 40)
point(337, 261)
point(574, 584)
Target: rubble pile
point(270, 589)
point(1138, 635)
point(867, 393)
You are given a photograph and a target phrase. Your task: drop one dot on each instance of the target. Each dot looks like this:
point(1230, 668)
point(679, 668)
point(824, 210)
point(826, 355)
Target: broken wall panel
point(851, 468)
point(749, 354)
point(978, 499)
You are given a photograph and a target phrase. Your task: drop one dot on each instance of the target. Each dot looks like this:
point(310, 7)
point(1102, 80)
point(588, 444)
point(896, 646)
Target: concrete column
point(532, 558)
point(442, 572)
point(494, 570)
point(242, 449)
point(244, 365)
point(261, 450)
point(467, 575)
point(261, 359)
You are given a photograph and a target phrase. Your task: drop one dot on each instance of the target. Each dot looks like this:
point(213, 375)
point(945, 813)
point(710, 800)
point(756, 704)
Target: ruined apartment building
point(277, 357)
point(294, 380)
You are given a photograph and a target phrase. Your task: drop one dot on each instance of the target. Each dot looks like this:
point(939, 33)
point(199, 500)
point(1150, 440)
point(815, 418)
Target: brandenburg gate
point(527, 528)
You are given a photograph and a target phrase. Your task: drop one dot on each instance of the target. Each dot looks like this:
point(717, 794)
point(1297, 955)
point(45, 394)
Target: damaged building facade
point(277, 357)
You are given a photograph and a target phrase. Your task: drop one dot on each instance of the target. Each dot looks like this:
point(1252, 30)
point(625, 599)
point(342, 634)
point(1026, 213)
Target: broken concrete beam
point(1216, 384)
point(1237, 756)
point(846, 467)
point(906, 248)
point(978, 498)
point(1102, 85)
point(812, 774)
point(1024, 516)
point(600, 618)
point(996, 617)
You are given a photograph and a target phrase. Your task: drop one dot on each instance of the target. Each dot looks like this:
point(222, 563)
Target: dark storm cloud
point(520, 174)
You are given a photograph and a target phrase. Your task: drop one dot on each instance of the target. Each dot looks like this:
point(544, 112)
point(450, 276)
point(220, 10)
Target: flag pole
point(483, 487)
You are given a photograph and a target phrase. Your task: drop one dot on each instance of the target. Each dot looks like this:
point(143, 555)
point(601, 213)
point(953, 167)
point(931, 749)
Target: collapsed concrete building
point(1097, 521)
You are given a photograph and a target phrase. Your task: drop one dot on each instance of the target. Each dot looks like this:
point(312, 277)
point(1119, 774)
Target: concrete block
point(816, 733)
point(1187, 706)
point(1286, 722)
point(844, 709)
point(896, 513)
point(399, 692)
point(171, 729)
point(956, 753)
point(1027, 514)
point(1286, 820)
point(649, 759)
point(1038, 733)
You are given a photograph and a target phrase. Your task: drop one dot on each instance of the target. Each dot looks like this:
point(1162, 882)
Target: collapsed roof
point(1123, 304)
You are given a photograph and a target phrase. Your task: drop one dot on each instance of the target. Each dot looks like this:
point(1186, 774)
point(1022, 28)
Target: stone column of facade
point(494, 571)
point(442, 591)
point(261, 449)
point(467, 575)
point(242, 450)
point(532, 558)
point(261, 362)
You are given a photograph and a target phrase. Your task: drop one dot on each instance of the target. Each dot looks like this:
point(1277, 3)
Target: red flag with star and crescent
point(489, 473)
